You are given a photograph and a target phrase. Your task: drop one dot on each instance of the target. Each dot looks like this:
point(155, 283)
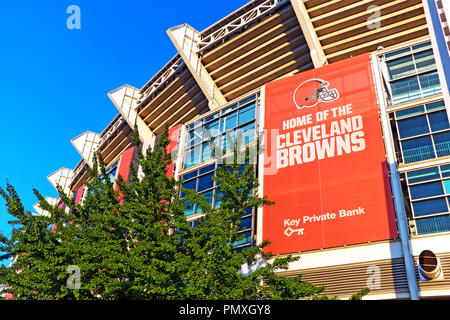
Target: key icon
point(289, 231)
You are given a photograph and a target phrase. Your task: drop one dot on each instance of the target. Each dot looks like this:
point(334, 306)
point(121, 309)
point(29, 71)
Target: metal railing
point(418, 154)
point(433, 224)
point(110, 133)
point(426, 152)
point(78, 172)
point(159, 79)
point(208, 38)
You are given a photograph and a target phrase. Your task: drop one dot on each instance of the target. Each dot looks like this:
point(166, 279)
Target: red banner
point(325, 166)
point(172, 147)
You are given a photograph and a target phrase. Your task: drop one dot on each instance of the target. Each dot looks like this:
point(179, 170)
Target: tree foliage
point(131, 240)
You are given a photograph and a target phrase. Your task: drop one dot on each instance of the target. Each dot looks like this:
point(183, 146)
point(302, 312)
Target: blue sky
point(54, 81)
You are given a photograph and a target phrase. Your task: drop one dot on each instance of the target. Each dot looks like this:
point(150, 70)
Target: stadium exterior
point(380, 66)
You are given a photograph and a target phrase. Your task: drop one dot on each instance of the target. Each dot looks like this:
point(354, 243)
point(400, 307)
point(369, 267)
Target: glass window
point(246, 114)
point(245, 101)
point(205, 182)
point(229, 121)
point(238, 117)
point(248, 133)
point(447, 186)
point(190, 175)
point(208, 197)
point(438, 120)
point(445, 170)
point(423, 175)
point(433, 224)
point(418, 149)
point(226, 139)
point(112, 173)
point(206, 169)
point(189, 209)
point(211, 129)
point(247, 239)
point(248, 211)
point(430, 84)
point(409, 112)
point(246, 223)
point(195, 223)
point(410, 124)
point(435, 105)
point(215, 126)
point(226, 110)
point(424, 60)
point(401, 67)
point(426, 190)
point(412, 73)
point(437, 206)
point(432, 206)
point(413, 126)
point(197, 209)
point(194, 137)
point(421, 46)
point(191, 185)
point(217, 201)
point(207, 153)
point(404, 90)
point(398, 53)
point(442, 143)
point(211, 117)
point(192, 157)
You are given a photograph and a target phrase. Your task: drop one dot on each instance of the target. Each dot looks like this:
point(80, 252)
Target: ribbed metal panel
point(347, 28)
point(345, 280)
point(179, 101)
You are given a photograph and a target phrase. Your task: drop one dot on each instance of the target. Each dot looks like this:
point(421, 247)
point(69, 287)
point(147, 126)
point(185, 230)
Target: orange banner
point(325, 165)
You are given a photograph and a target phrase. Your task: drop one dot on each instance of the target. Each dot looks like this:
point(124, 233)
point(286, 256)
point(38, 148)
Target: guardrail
point(208, 38)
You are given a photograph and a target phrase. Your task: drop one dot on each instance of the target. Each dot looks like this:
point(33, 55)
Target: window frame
point(198, 216)
point(430, 133)
point(445, 195)
point(412, 51)
point(219, 116)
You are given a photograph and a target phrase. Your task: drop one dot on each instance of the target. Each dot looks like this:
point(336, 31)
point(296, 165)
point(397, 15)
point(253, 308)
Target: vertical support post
point(261, 123)
point(397, 192)
point(317, 54)
point(180, 153)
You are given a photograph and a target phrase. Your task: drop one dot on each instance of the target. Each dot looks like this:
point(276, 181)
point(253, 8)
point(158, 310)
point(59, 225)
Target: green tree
point(214, 263)
point(156, 224)
point(34, 273)
point(122, 239)
point(133, 241)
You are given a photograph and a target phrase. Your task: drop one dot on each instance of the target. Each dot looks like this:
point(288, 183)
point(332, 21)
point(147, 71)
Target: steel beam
point(186, 39)
point(317, 54)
